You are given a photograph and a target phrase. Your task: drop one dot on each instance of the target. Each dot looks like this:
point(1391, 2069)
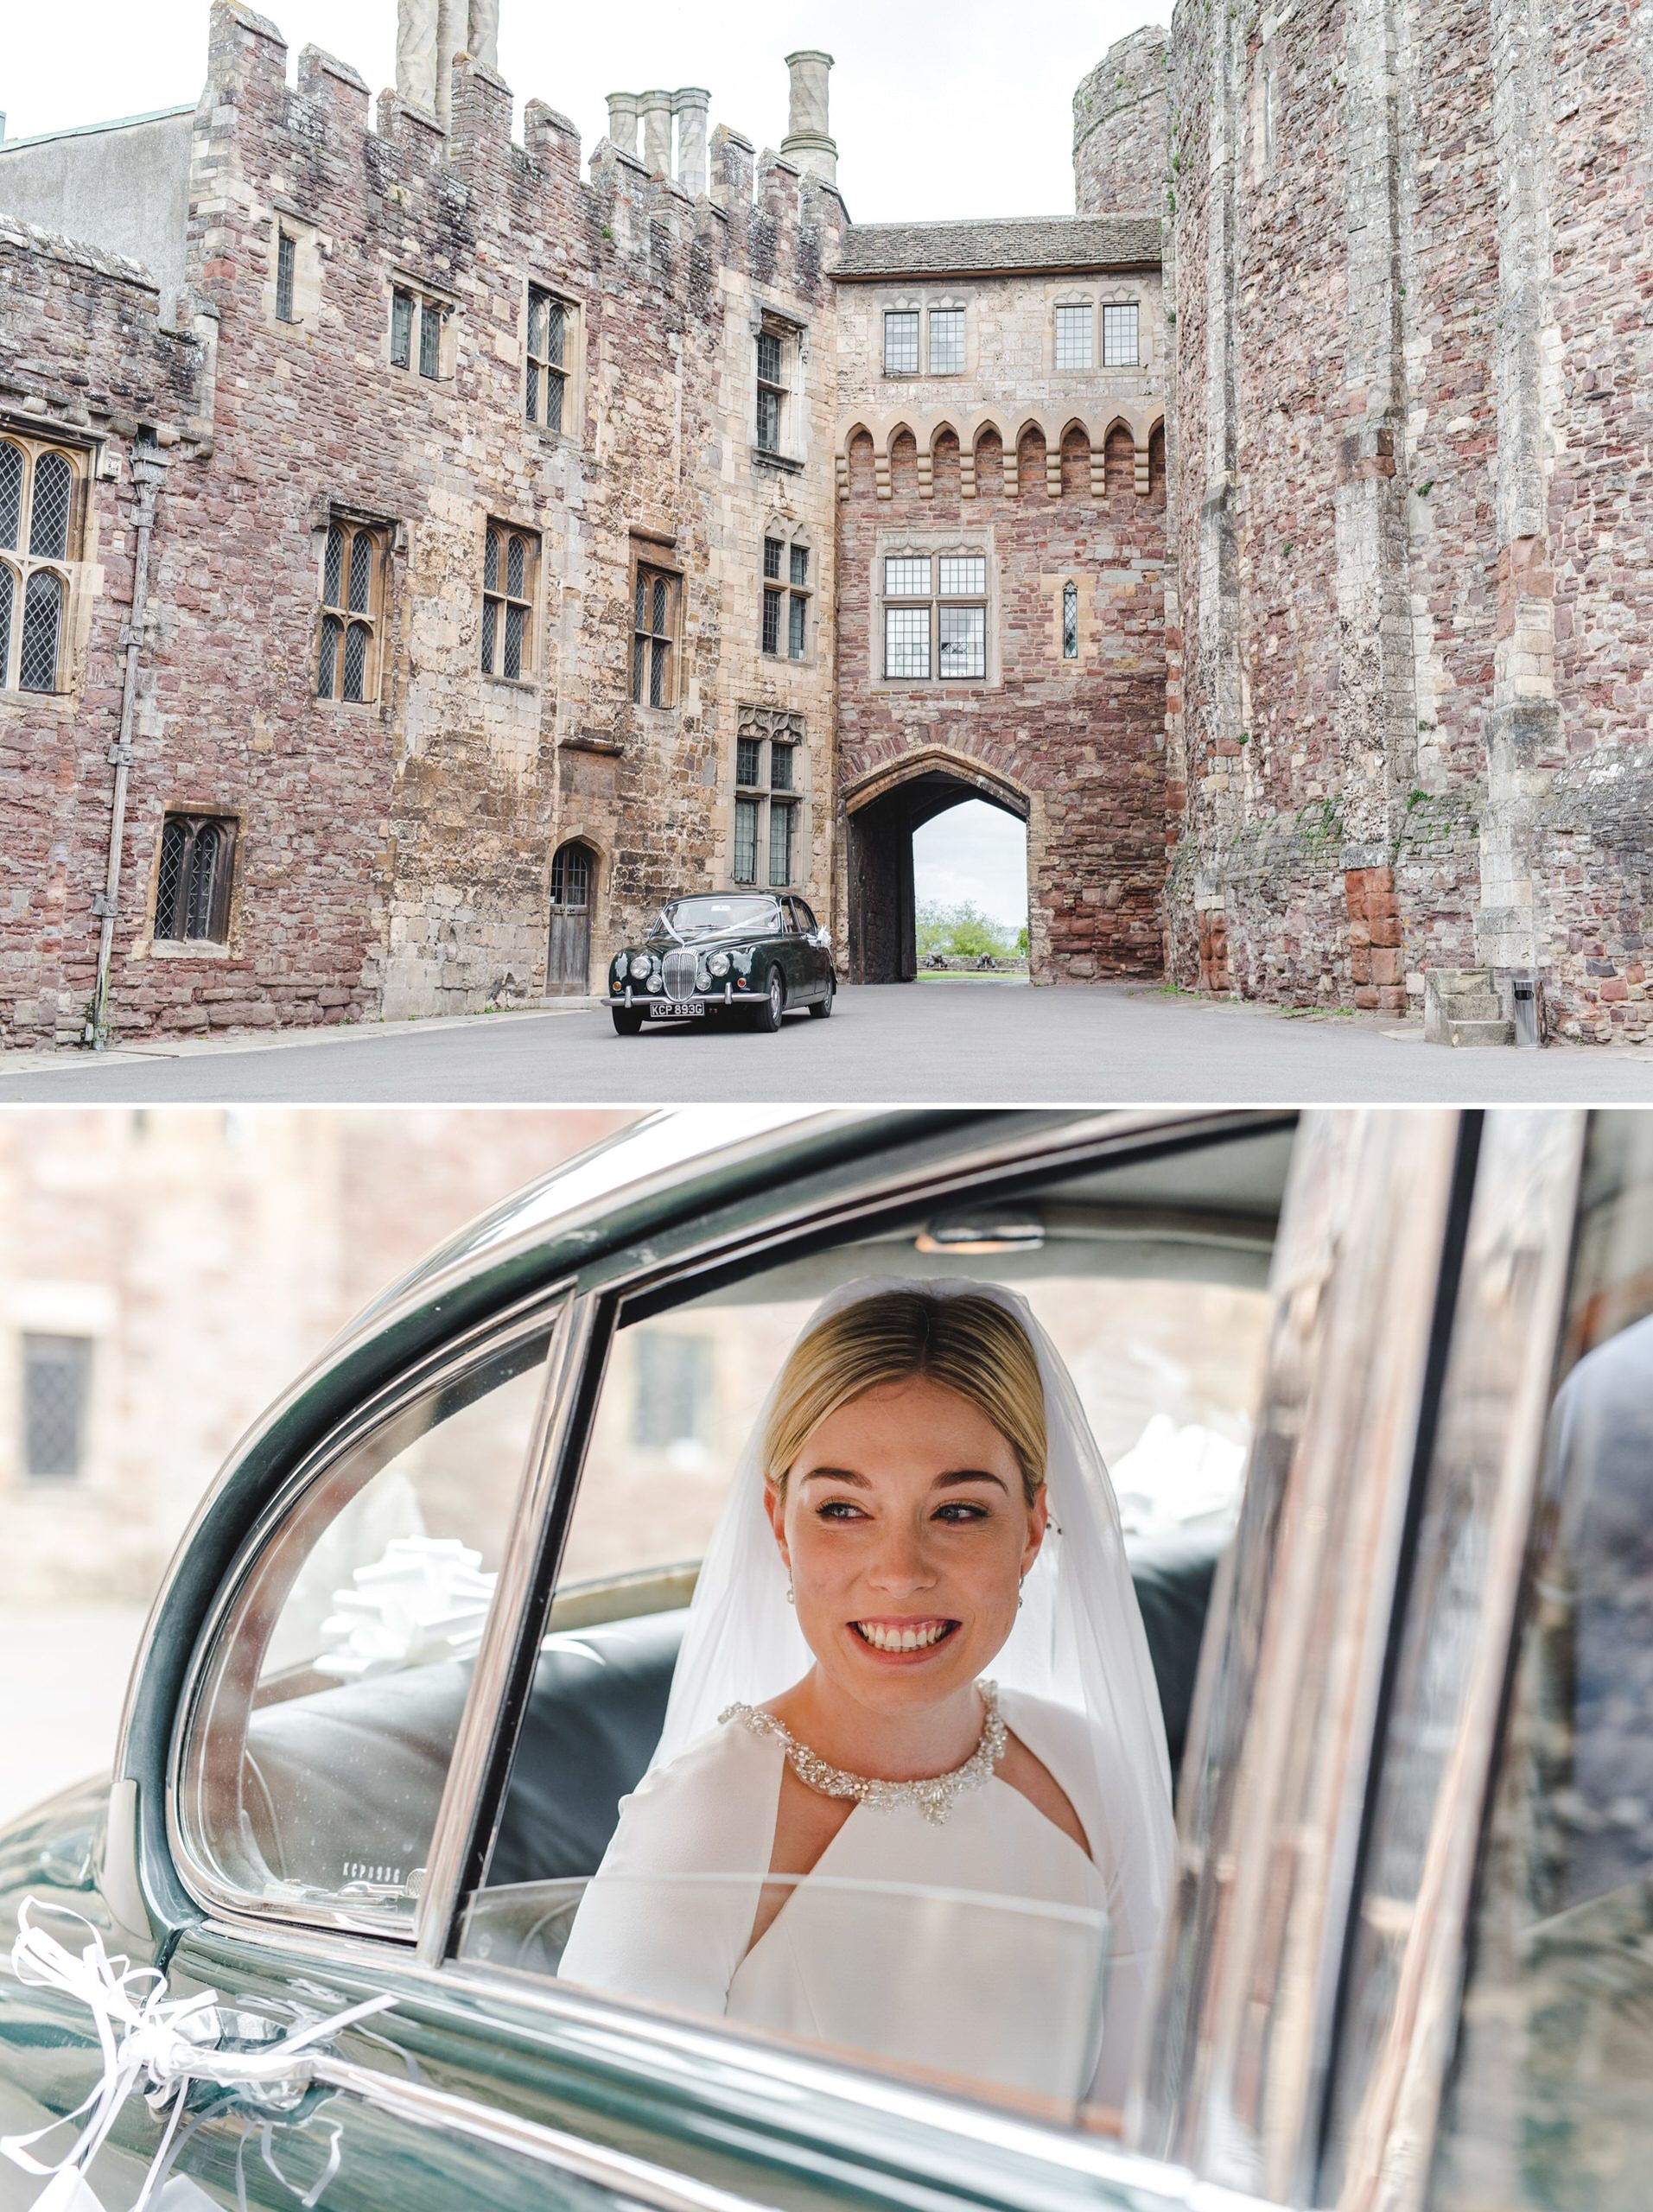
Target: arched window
point(38, 524)
point(510, 571)
point(1070, 621)
point(347, 657)
point(192, 884)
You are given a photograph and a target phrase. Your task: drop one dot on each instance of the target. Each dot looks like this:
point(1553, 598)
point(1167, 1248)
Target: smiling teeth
point(902, 1639)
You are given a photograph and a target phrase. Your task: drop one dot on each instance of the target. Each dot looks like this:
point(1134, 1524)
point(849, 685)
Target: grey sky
point(938, 109)
point(976, 852)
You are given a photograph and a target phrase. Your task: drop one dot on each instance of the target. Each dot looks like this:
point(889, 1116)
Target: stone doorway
point(574, 883)
point(883, 921)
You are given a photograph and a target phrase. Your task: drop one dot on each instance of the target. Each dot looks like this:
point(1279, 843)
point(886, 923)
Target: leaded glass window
point(39, 527)
point(510, 573)
point(192, 889)
point(1070, 621)
point(768, 752)
point(935, 616)
point(401, 305)
point(746, 840)
point(800, 564)
point(673, 1402)
point(417, 321)
point(57, 1390)
point(1075, 337)
point(545, 390)
point(429, 339)
point(946, 341)
point(786, 598)
point(1120, 337)
point(42, 628)
point(901, 341)
point(771, 600)
point(780, 844)
point(771, 553)
point(797, 619)
point(771, 389)
point(348, 644)
point(654, 613)
point(286, 263)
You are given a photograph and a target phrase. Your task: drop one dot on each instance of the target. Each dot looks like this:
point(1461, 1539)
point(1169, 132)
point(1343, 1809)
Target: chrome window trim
point(507, 1621)
point(525, 1319)
point(1287, 1704)
point(1506, 1334)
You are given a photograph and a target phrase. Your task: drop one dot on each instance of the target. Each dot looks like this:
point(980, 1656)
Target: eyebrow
point(942, 1482)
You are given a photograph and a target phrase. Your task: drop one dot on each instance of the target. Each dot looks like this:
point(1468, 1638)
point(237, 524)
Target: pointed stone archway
point(882, 809)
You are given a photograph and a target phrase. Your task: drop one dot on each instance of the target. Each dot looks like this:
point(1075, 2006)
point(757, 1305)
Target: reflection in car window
point(320, 1737)
point(1162, 1327)
point(689, 919)
point(1550, 2105)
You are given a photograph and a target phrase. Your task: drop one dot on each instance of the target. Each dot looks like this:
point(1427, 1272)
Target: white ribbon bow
point(149, 2041)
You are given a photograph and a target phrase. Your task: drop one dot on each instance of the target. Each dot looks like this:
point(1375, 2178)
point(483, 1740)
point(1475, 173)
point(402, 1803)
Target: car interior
point(353, 1773)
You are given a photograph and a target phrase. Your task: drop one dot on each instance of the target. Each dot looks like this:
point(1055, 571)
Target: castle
point(420, 553)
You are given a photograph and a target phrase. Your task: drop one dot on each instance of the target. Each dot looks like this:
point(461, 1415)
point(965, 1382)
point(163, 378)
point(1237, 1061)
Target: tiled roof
point(1030, 242)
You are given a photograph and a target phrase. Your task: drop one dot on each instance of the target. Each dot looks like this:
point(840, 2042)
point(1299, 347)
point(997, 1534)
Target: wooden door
point(574, 877)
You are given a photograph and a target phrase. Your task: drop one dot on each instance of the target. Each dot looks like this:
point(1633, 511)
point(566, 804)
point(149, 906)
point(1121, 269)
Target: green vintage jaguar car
point(1377, 1390)
point(752, 955)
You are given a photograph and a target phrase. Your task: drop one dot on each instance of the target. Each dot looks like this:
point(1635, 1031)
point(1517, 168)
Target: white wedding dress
point(974, 1946)
point(988, 1945)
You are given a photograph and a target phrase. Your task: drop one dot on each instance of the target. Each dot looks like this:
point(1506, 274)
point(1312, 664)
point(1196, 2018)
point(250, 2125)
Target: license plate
point(672, 1012)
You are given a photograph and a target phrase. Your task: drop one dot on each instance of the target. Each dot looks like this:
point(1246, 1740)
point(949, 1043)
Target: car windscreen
point(696, 918)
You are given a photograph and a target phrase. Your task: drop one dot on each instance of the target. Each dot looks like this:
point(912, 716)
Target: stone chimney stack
point(806, 142)
point(622, 121)
point(656, 110)
point(691, 106)
point(429, 33)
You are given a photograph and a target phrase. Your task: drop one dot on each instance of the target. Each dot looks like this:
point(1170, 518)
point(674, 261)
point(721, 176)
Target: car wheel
point(822, 1005)
point(767, 1015)
point(627, 1020)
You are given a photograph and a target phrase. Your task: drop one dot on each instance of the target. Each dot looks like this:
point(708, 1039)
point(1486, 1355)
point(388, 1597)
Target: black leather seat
point(343, 1785)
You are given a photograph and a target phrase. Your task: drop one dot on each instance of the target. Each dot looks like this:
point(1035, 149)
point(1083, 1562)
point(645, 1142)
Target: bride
point(914, 1671)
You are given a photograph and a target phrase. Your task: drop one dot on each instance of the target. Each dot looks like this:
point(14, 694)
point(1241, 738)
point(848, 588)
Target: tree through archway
point(883, 917)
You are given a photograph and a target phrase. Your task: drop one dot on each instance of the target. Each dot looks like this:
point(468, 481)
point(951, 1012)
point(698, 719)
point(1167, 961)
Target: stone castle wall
point(1056, 476)
point(1120, 127)
point(1410, 505)
point(395, 858)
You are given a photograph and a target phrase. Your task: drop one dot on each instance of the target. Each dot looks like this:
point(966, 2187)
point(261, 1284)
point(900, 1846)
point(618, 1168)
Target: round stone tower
point(1120, 134)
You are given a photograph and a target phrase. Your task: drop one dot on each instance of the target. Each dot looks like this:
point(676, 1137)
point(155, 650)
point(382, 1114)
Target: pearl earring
point(791, 1599)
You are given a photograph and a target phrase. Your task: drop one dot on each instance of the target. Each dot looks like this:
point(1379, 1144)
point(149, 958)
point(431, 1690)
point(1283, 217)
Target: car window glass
point(1549, 2107)
point(806, 920)
point(1153, 1282)
point(320, 1740)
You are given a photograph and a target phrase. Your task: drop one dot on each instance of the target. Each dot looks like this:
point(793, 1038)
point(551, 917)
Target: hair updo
point(970, 1345)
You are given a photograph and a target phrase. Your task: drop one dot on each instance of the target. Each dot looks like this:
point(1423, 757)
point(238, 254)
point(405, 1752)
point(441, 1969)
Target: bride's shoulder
point(713, 1801)
point(725, 1756)
point(1054, 1733)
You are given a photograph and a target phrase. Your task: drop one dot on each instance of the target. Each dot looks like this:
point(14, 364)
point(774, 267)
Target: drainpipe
point(148, 471)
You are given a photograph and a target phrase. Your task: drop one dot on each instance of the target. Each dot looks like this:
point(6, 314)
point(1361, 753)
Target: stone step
point(1480, 1032)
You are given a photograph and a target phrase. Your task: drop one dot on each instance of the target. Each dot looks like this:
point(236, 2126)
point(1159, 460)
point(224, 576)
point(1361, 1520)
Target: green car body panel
point(692, 2103)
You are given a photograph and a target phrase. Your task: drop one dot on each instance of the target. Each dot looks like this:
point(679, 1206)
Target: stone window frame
point(924, 302)
point(19, 567)
point(499, 598)
point(571, 367)
point(792, 537)
point(228, 891)
point(427, 300)
point(756, 796)
point(936, 546)
point(788, 453)
point(379, 533)
point(304, 301)
point(653, 559)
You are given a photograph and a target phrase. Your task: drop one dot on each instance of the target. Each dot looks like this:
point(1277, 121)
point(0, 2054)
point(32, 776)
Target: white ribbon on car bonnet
point(159, 2045)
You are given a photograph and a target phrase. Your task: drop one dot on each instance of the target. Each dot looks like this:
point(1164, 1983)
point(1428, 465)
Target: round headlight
point(718, 964)
point(639, 965)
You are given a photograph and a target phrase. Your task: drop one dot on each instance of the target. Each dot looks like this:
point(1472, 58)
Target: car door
point(817, 960)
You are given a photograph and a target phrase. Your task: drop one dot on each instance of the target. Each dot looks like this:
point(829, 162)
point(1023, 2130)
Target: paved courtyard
point(951, 1042)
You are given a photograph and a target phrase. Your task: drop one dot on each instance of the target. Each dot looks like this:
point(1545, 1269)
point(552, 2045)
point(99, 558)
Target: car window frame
point(635, 1284)
point(554, 1308)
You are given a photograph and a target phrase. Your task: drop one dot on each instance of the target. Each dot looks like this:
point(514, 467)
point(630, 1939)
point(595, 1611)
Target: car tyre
point(766, 1016)
point(627, 1020)
point(822, 1005)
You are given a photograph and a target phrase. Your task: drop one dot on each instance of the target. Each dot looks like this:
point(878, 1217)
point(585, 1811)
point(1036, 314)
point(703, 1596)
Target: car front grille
point(679, 971)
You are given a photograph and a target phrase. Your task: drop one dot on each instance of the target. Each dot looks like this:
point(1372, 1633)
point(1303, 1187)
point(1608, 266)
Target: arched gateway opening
point(883, 813)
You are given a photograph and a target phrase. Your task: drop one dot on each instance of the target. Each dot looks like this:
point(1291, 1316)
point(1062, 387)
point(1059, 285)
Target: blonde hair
point(969, 1344)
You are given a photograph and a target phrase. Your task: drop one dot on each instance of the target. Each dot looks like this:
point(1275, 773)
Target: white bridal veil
point(1078, 1640)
